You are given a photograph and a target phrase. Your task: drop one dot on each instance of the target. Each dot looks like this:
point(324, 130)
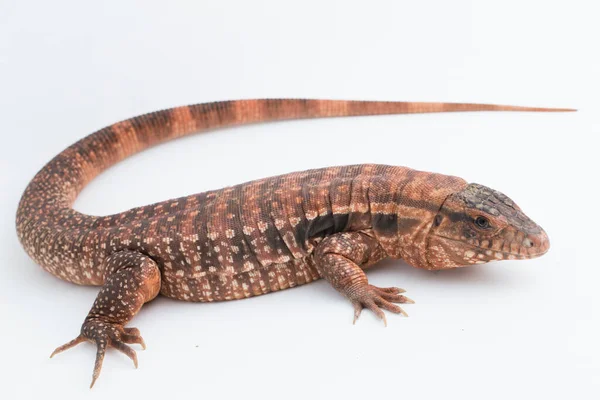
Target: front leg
point(131, 279)
point(339, 258)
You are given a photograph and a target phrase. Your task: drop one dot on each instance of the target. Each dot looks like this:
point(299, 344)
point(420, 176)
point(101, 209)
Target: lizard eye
point(482, 222)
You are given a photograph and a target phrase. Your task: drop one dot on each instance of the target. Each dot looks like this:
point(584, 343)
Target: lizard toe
point(378, 299)
point(105, 335)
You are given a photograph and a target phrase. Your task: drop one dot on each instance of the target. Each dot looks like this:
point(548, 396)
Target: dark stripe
point(242, 220)
point(406, 225)
point(340, 221)
point(386, 224)
point(202, 113)
point(300, 232)
point(321, 226)
point(455, 216)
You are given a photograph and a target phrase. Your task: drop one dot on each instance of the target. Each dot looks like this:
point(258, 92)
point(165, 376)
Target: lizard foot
point(104, 335)
point(375, 298)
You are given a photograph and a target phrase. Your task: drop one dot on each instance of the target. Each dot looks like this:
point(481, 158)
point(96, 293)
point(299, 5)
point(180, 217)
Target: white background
point(526, 329)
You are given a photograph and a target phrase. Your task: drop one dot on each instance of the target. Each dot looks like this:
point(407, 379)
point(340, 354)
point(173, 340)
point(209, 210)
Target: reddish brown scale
point(261, 236)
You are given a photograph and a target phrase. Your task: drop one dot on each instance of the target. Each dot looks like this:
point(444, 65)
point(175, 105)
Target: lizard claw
point(376, 299)
point(104, 335)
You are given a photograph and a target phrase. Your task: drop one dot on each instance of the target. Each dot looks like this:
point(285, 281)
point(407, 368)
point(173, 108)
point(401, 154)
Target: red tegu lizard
point(261, 236)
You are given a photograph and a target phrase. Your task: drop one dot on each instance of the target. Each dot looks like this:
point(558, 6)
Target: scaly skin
point(261, 236)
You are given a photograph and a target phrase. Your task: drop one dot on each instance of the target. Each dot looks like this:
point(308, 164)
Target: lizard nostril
point(528, 242)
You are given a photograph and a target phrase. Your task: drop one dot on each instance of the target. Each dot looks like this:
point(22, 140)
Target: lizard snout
point(537, 244)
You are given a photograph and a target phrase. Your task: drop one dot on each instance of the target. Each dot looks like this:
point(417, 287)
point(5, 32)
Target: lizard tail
point(50, 195)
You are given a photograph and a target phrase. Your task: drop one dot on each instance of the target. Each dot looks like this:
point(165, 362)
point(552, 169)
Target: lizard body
point(264, 235)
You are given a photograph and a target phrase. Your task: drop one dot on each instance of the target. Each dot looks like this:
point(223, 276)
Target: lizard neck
point(403, 208)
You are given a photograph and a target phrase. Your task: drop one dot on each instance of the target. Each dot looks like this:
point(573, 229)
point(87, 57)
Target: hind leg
point(131, 279)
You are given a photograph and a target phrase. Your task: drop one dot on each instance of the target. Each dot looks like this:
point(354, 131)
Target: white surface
point(505, 330)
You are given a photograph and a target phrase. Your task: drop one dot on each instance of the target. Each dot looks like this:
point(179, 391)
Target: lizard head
point(478, 225)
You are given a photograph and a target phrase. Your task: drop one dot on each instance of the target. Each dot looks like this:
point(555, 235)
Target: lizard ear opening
point(452, 218)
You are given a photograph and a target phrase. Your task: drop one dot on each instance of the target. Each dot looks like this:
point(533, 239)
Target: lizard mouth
point(531, 247)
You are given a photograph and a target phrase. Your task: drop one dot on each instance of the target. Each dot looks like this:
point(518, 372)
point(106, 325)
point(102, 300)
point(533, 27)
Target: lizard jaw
point(445, 252)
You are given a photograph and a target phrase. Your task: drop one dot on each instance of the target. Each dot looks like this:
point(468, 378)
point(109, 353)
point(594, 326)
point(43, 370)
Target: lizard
point(261, 236)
